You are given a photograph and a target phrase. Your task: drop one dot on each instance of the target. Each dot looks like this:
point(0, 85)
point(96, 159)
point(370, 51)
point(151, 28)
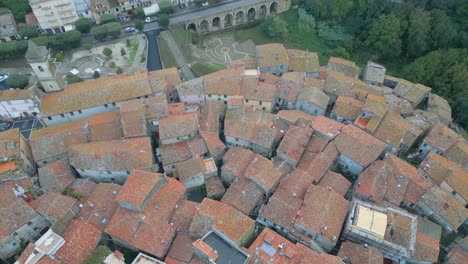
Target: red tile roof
point(318, 164)
point(427, 248)
point(441, 137)
point(183, 215)
point(181, 249)
point(236, 160)
point(178, 126)
point(133, 118)
point(53, 205)
point(84, 187)
point(56, 176)
point(214, 187)
point(295, 142)
point(244, 195)
point(357, 253)
point(336, 182)
point(292, 116)
point(282, 208)
point(327, 127)
point(105, 126)
point(262, 172)
point(138, 186)
point(458, 153)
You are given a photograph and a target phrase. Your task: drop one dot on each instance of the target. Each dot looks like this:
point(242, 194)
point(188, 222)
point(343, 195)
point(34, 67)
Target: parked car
point(3, 77)
point(150, 19)
point(129, 29)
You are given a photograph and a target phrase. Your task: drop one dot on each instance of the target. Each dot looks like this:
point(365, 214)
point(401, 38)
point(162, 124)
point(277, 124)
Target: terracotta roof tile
point(247, 63)
point(214, 187)
point(326, 127)
point(236, 160)
point(133, 118)
point(317, 143)
point(253, 89)
point(156, 107)
point(174, 153)
point(410, 91)
point(457, 255)
point(357, 253)
point(16, 94)
point(281, 209)
point(347, 107)
point(295, 142)
point(224, 218)
point(53, 205)
point(181, 249)
point(398, 105)
point(138, 186)
point(206, 250)
point(95, 92)
point(427, 248)
point(341, 85)
point(336, 182)
point(291, 84)
point(164, 80)
point(244, 195)
point(14, 212)
point(441, 137)
point(263, 173)
point(225, 82)
point(346, 67)
point(358, 145)
point(99, 208)
point(458, 153)
point(273, 54)
point(186, 169)
point(84, 187)
point(183, 215)
point(394, 130)
point(323, 208)
point(192, 87)
point(303, 61)
point(177, 126)
point(55, 176)
point(292, 116)
point(214, 144)
point(105, 126)
point(123, 155)
point(318, 164)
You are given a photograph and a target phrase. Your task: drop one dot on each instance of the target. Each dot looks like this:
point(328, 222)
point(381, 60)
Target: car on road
point(129, 29)
point(150, 19)
point(3, 77)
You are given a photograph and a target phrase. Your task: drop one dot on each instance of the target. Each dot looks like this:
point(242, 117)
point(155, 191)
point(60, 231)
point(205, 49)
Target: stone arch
point(274, 8)
point(240, 17)
point(251, 14)
point(262, 11)
point(192, 26)
point(204, 26)
point(216, 23)
point(228, 20)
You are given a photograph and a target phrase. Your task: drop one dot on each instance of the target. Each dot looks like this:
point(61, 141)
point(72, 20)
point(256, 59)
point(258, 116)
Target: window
point(79, 112)
point(105, 105)
point(178, 138)
point(40, 68)
point(246, 100)
point(113, 103)
point(82, 170)
point(225, 96)
point(454, 192)
point(260, 103)
point(15, 234)
point(50, 85)
point(209, 96)
point(128, 172)
point(72, 114)
point(62, 115)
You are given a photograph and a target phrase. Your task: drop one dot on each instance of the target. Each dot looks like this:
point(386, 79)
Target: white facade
point(55, 16)
point(18, 108)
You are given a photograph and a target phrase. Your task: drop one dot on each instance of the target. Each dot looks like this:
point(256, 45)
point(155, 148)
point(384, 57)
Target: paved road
point(187, 73)
point(207, 11)
point(153, 58)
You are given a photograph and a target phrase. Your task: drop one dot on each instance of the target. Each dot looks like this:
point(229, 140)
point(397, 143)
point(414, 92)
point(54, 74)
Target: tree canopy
point(275, 26)
point(83, 25)
point(17, 80)
point(28, 31)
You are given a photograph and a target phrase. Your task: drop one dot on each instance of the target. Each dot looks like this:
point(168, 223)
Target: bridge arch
point(228, 20)
point(274, 8)
point(204, 26)
point(216, 23)
point(251, 14)
point(192, 27)
point(240, 17)
point(262, 11)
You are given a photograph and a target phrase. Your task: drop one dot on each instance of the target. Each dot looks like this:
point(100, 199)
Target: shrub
point(107, 52)
point(71, 78)
point(108, 18)
point(87, 45)
point(139, 25)
point(28, 32)
point(17, 80)
point(99, 33)
point(114, 29)
point(83, 25)
point(69, 192)
point(119, 71)
point(96, 75)
point(59, 56)
point(112, 64)
point(163, 20)
point(123, 52)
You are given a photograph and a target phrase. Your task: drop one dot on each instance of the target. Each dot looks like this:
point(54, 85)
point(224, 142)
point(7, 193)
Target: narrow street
point(153, 58)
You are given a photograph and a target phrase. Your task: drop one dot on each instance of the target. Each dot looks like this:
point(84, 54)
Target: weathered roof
point(16, 94)
point(441, 137)
point(174, 153)
point(253, 89)
point(270, 55)
point(183, 215)
point(262, 172)
point(105, 126)
point(55, 176)
point(303, 61)
point(346, 67)
point(186, 169)
point(177, 126)
point(138, 186)
point(236, 160)
point(327, 127)
point(341, 85)
point(347, 107)
point(164, 80)
point(191, 87)
point(53, 205)
point(244, 195)
point(225, 82)
point(224, 218)
point(97, 92)
point(133, 118)
point(458, 153)
point(295, 142)
point(398, 105)
point(291, 84)
point(100, 206)
point(318, 164)
point(394, 130)
point(315, 96)
point(14, 212)
point(281, 209)
point(10, 143)
point(214, 187)
point(374, 72)
point(357, 253)
point(359, 146)
point(156, 107)
point(292, 116)
point(410, 91)
point(84, 187)
point(336, 182)
point(181, 250)
point(114, 155)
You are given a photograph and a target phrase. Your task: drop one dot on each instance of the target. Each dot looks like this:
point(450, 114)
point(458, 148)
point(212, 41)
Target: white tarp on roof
point(151, 10)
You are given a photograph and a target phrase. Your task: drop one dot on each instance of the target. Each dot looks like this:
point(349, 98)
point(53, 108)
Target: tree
point(340, 52)
point(114, 29)
point(384, 37)
point(139, 12)
point(28, 32)
point(119, 71)
point(163, 20)
point(96, 75)
point(107, 52)
point(13, 49)
point(166, 6)
point(19, 8)
point(275, 27)
point(99, 33)
point(123, 52)
point(71, 78)
point(443, 32)
point(329, 9)
point(17, 80)
point(108, 18)
point(66, 40)
point(87, 46)
point(139, 25)
point(418, 33)
point(83, 25)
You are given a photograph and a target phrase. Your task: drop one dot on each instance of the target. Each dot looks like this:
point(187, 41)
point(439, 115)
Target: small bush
point(123, 52)
point(88, 46)
point(67, 191)
point(96, 75)
point(17, 81)
point(112, 64)
point(107, 52)
point(119, 71)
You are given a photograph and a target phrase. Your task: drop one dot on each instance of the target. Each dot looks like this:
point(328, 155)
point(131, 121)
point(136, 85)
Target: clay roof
point(16, 94)
point(441, 107)
point(398, 105)
point(133, 118)
point(164, 80)
point(357, 253)
point(149, 230)
point(215, 146)
point(31, 19)
point(225, 82)
point(181, 250)
point(327, 127)
point(315, 96)
point(224, 218)
point(292, 116)
point(303, 61)
point(346, 67)
point(53, 204)
point(138, 186)
point(336, 182)
point(214, 187)
point(281, 209)
point(243, 194)
point(262, 172)
point(441, 137)
point(374, 72)
point(295, 142)
point(105, 126)
point(341, 85)
point(100, 206)
point(183, 215)
point(80, 240)
point(457, 255)
point(84, 187)
point(253, 89)
point(411, 92)
point(347, 107)
point(156, 107)
point(317, 143)
point(246, 62)
point(458, 153)
point(192, 87)
point(291, 84)
point(177, 126)
point(123, 155)
point(97, 92)
point(55, 176)
point(318, 164)
point(10, 143)
point(236, 160)
point(323, 211)
point(174, 153)
point(423, 119)
point(427, 248)
point(186, 169)
point(394, 130)
point(273, 54)
point(358, 145)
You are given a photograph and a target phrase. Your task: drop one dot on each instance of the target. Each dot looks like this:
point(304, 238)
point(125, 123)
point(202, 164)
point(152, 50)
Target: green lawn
point(203, 68)
point(166, 55)
point(133, 50)
point(184, 39)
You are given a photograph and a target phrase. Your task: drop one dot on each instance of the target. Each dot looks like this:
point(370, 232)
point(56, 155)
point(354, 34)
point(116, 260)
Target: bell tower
point(38, 57)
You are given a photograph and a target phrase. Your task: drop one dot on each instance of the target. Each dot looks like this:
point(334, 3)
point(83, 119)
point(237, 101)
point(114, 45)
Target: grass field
point(133, 50)
point(203, 68)
point(167, 59)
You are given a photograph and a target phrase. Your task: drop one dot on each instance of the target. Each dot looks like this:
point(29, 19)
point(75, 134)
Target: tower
point(38, 57)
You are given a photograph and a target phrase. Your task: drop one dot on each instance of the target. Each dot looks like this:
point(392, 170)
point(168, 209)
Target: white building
point(18, 103)
point(55, 16)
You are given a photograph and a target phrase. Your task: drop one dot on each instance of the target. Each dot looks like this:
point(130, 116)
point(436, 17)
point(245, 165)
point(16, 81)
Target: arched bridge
point(230, 14)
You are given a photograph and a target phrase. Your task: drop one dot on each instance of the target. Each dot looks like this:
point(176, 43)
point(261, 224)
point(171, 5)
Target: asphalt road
point(153, 58)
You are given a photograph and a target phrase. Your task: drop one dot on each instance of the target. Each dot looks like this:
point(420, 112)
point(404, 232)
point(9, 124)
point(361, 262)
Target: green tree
point(17, 80)
point(99, 33)
point(275, 27)
point(71, 78)
point(163, 20)
point(96, 75)
point(87, 45)
point(19, 8)
point(139, 25)
point(166, 6)
point(443, 32)
point(13, 49)
point(108, 18)
point(384, 37)
point(340, 52)
point(66, 40)
point(329, 9)
point(123, 52)
point(114, 29)
point(42, 40)
point(59, 56)
point(28, 32)
point(119, 70)
point(419, 27)
point(139, 12)
point(107, 52)
point(83, 25)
